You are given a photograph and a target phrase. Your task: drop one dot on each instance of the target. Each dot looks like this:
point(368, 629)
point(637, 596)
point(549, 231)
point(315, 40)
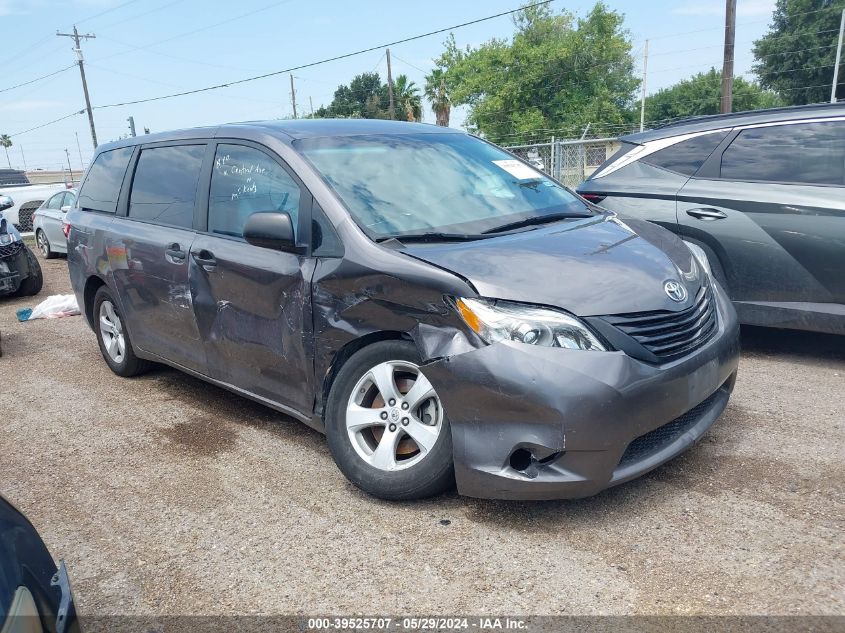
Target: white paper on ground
point(54, 307)
point(518, 170)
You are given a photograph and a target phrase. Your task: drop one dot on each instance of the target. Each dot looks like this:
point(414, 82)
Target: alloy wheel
point(43, 244)
point(111, 331)
point(394, 416)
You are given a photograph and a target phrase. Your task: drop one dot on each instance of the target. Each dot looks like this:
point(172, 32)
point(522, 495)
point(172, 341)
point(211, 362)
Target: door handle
point(174, 251)
point(205, 259)
point(707, 214)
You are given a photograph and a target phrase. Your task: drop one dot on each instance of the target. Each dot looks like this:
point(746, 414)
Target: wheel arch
point(344, 354)
point(92, 285)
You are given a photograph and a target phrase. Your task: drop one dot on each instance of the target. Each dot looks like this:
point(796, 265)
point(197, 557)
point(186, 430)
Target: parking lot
point(166, 495)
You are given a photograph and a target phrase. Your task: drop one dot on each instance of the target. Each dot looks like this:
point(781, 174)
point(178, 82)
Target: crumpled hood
point(588, 266)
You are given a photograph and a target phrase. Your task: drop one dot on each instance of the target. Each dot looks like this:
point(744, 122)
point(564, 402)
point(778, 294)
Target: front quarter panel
point(373, 290)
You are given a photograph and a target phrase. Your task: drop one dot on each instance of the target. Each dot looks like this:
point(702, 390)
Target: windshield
point(435, 183)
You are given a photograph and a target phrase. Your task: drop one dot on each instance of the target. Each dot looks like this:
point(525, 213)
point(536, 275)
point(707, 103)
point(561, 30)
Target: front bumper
point(547, 423)
point(14, 267)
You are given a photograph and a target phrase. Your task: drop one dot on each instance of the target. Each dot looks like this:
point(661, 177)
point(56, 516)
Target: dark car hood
point(588, 266)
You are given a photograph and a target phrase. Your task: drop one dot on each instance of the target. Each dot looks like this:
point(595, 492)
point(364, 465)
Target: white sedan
point(47, 223)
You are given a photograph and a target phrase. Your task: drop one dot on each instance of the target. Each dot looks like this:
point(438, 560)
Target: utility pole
point(292, 95)
point(311, 101)
point(838, 56)
point(79, 149)
point(69, 168)
point(726, 105)
point(78, 50)
point(645, 77)
point(131, 120)
point(392, 108)
point(23, 157)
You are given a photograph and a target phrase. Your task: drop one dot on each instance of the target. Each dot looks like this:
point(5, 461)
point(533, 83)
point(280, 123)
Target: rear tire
point(397, 451)
point(115, 345)
point(32, 285)
point(44, 245)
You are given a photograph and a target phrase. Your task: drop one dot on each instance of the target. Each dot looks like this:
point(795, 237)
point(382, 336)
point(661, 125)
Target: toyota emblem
point(675, 290)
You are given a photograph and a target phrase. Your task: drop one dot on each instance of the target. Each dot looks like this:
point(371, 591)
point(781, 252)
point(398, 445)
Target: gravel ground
point(169, 496)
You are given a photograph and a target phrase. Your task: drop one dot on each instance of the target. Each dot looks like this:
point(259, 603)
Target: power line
point(722, 28)
point(38, 127)
point(97, 15)
point(137, 15)
point(325, 61)
point(5, 63)
point(197, 30)
point(162, 54)
point(32, 81)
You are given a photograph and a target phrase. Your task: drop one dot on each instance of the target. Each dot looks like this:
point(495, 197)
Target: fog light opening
point(521, 459)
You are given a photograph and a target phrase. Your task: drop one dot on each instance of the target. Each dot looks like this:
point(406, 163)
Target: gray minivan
point(762, 193)
point(441, 310)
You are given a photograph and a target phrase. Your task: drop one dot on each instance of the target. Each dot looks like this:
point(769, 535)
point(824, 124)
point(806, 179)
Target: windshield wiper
point(433, 236)
point(540, 219)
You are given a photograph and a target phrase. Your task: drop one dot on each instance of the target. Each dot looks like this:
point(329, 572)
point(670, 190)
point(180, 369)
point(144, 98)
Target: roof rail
point(731, 115)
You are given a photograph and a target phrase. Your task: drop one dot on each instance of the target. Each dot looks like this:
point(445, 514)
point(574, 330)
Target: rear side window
point(807, 153)
point(102, 186)
point(244, 181)
point(56, 201)
point(165, 185)
point(687, 156)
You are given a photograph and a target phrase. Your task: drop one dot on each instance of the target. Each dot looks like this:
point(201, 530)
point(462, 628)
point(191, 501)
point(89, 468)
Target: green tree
point(407, 98)
point(6, 142)
point(365, 98)
point(555, 75)
point(795, 58)
point(438, 96)
point(701, 93)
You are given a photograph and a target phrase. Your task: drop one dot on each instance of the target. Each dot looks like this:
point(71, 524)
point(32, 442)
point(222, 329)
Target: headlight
point(505, 321)
point(7, 238)
point(700, 256)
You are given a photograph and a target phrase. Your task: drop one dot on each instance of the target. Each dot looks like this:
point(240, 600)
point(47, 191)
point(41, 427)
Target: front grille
point(9, 250)
point(668, 334)
point(25, 214)
point(653, 441)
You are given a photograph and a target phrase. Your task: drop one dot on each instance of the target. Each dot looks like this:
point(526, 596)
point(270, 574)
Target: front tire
point(386, 427)
point(113, 338)
point(32, 285)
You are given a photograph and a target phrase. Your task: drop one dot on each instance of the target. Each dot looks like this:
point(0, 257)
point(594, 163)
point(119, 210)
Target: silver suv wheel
point(393, 416)
point(111, 330)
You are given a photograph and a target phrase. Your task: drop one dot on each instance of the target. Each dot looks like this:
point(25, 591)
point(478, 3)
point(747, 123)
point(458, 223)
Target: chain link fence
point(570, 162)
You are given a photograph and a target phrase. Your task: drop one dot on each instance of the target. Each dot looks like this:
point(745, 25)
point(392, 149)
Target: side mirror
point(6, 203)
point(65, 208)
point(270, 230)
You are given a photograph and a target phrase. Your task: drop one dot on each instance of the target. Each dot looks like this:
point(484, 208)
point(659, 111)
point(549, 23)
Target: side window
point(325, 241)
point(687, 156)
point(165, 185)
point(246, 181)
point(101, 188)
point(808, 153)
point(56, 201)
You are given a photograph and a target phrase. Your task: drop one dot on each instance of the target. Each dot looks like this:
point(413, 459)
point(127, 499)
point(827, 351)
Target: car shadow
point(796, 343)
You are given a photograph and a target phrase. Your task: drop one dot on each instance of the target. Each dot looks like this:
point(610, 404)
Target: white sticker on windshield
point(518, 170)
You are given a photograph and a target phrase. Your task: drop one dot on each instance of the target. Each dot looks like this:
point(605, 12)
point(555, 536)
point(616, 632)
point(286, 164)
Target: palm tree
point(6, 142)
point(438, 96)
point(408, 98)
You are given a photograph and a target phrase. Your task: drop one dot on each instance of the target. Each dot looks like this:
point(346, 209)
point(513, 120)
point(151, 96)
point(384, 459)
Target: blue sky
point(146, 48)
